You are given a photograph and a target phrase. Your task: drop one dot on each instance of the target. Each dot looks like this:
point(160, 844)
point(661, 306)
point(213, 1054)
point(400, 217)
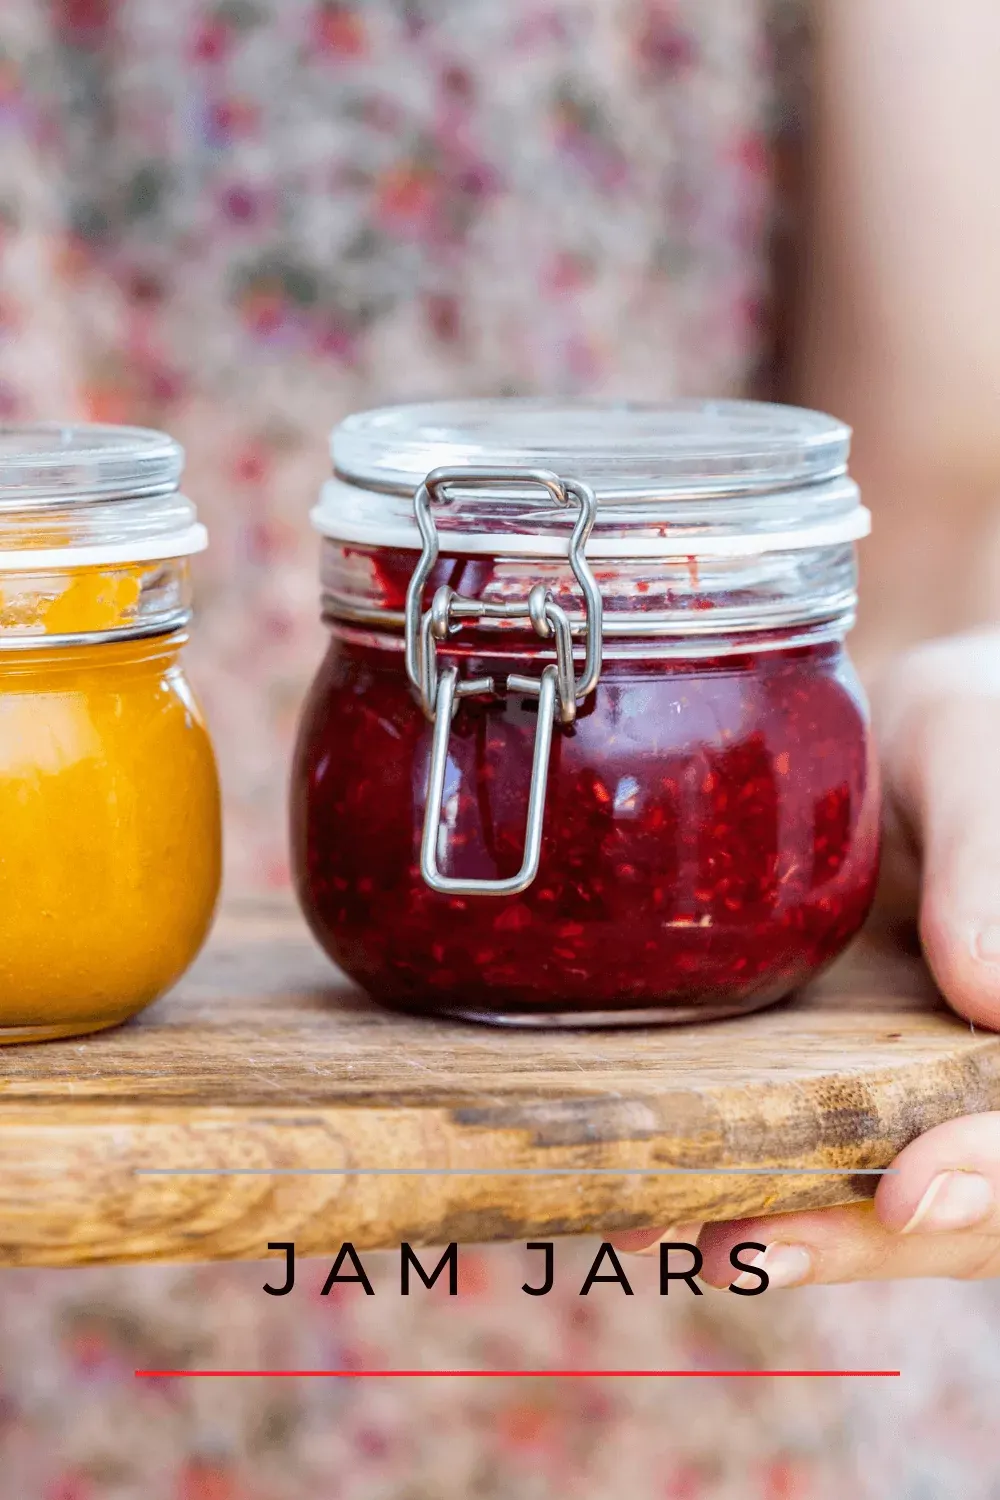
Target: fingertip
point(716, 1243)
point(648, 1241)
point(811, 1247)
point(968, 1148)
point(940, 751)
point(963, 952)
point(636, 1241)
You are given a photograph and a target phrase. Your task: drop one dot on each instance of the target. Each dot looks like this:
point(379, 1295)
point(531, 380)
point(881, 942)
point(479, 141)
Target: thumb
point(940, 743)
point(948, 1179)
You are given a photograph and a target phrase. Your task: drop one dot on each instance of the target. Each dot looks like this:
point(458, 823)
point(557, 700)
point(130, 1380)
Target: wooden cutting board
point(283, 1106)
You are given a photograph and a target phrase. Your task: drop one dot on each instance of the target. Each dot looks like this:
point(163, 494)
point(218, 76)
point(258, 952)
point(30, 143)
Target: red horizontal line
point(513, 1374)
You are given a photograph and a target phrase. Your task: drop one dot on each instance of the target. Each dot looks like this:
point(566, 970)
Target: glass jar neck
point(663, 606)
point(65, 607)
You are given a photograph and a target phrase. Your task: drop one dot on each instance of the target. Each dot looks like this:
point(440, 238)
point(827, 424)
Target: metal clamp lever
point(557, 689)
point(447, 885)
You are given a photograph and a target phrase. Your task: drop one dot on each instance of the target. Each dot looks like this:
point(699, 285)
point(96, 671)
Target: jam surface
point(711, 836)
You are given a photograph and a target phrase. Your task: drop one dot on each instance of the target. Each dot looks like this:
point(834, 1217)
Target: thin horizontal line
point(517, 1374)
point(515, 1171)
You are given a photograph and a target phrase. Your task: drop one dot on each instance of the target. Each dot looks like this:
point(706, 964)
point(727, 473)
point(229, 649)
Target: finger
point(941, 727)
point(946, 1180)
point(636, 1241)
point(837, 1245)
point(647, 1241)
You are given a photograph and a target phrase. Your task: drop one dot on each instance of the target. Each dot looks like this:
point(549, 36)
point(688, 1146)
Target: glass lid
point(682, 476)
point(50, 461)
point(619, 448)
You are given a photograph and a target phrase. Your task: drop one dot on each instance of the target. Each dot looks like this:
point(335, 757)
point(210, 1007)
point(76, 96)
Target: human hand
point(937, 717)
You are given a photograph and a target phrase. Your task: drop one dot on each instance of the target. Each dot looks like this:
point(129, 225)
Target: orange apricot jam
point(109, 805)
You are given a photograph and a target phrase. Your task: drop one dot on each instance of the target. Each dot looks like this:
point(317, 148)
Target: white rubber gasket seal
point(105, 555)
point(853, 526)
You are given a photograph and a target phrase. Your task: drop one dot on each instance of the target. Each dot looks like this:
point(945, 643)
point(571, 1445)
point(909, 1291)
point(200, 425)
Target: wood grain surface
point(264, 1062)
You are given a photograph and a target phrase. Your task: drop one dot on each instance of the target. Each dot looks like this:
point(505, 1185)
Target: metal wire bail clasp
point(558, 689)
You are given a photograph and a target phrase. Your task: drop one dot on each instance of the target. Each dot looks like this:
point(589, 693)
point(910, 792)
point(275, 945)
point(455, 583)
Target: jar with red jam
point(586, 747)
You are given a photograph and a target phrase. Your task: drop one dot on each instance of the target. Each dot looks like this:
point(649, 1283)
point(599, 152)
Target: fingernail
point(786, 1265)
point(987, 945)
point(676, 1234)
point(954, 1200)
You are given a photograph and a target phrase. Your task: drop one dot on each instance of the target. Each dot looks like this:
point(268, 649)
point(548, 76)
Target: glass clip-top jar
point(586, 747)
point(109, 801)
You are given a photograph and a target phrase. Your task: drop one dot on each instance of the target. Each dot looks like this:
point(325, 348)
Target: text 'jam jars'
point(586, 747)
point(109, 799)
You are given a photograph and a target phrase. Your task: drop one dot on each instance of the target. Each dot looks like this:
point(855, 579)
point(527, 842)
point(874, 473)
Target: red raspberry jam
point(709, 824)
point(711, 837)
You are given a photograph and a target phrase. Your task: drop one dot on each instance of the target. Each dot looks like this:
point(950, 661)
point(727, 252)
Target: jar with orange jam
point(109, 800)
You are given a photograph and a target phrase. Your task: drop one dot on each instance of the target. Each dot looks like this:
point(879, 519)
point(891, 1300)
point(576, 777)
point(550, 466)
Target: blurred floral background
point(239, 220)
